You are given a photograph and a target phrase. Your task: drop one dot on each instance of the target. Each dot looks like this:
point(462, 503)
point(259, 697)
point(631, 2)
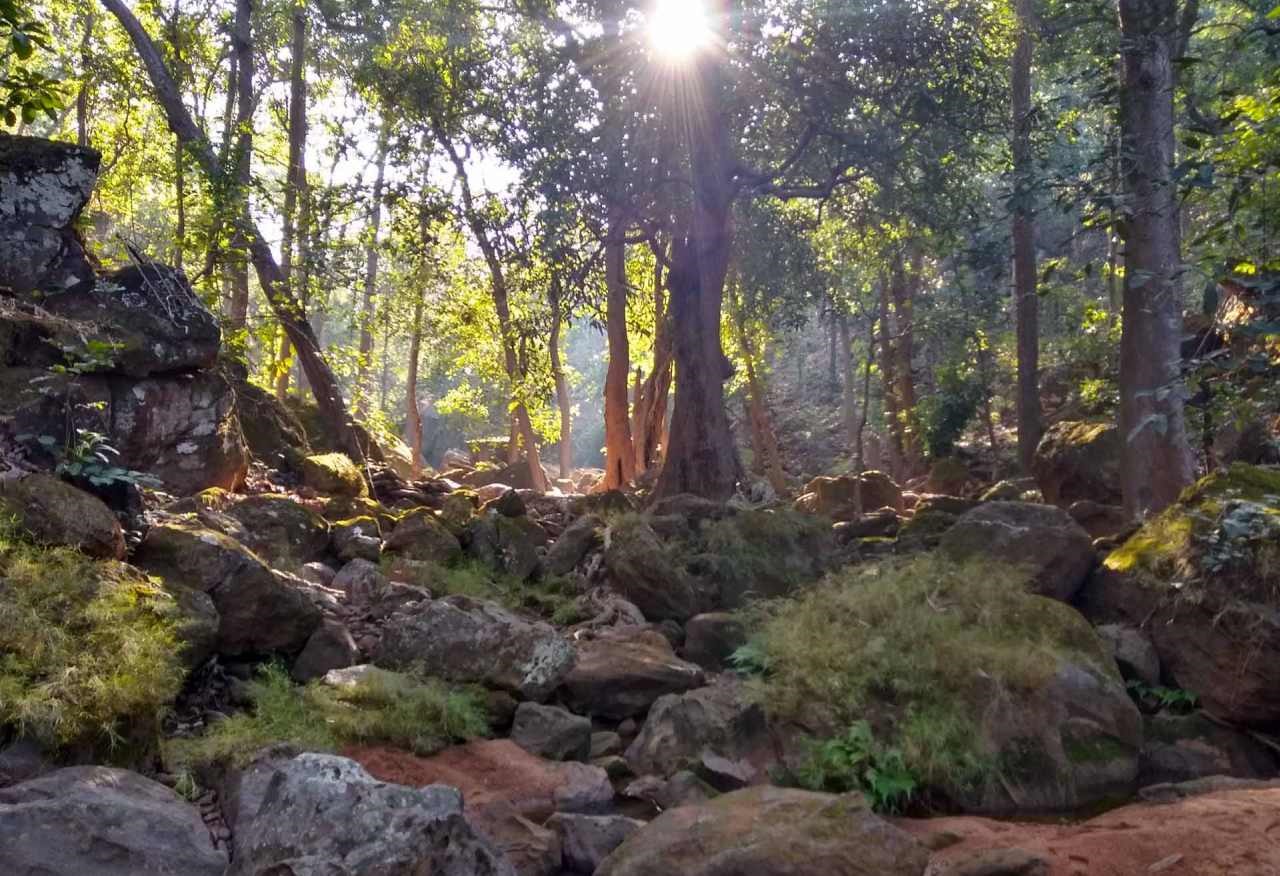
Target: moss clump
point(334, 473)
point(421, 715)
point(88, 650)
point(551, 597)
point(912, 646)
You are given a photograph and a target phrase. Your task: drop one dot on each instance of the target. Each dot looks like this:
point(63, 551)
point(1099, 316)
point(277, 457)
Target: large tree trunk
point(364, 367)
point(620, 454)
point(701, 457)
point(1026, 301)
point(905, 283)
point(296, 174)
point(651, 400)
point(1156, 460)
point(562, 385)
point(324, 385)
point(238, 264)
point(521, 423)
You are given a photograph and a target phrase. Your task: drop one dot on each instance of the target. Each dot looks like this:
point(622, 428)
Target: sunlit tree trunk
point(562, 384)
point(764, 441)
point(1026, 301)
point(295, 176)
point(413, 414)
point(82, 94)
point(1156, 460)
point(849, 407)
point(889, 393)
point(904, 285)
point(620, 454)
point(364, 368)
point(651, 399)
point(238, 262)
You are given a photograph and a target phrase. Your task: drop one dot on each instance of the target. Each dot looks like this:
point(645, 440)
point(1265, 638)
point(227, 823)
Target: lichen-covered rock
point(579, 539)
point(1201, 579)
point(924, 530)
point(330, 647)
point(1079, 460)
point(1055, 551)
point(836, 497)
point(282, 531)
point(551, 732)
point(586, 840)
point(719, 719)
point(420, 536)
point(467, 640)
point(710, 639)
point(755, 554)
point(621, 672)
point(333, 473)
point(320, 815)
point(638, 568)
point(356, 539)
point(1181, 748)
point(105, 822)
point(54, 512)
point(43, 187)
point(506, 544)
point(769, 831)
point(260, 611)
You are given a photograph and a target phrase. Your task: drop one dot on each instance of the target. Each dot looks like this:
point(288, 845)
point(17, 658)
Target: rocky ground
point(361, 672)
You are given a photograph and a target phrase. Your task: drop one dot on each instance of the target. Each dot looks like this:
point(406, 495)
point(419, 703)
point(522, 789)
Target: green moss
point(88, 649)
point(1095, 749)
point(334, 473)
point(912, 646)
point(755, 553)
point(421, 715)
point(551, 597)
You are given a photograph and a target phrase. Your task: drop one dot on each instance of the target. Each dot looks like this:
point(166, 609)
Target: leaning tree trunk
point(1156, 460)
point(620, 454)
point(238, 263)
point(701, 457)
point(1026, 301)
point(324, 385)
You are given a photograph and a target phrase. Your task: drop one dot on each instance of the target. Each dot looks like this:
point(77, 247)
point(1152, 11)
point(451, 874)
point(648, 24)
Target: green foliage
point(88, 649)
point(550, 597)
point(904, 645)
point(855, 761)
point(25, 94)
point(419, 714)
point(1155, 698)
point(946, 414)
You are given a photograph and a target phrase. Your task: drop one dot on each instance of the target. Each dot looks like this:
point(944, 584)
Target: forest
point(707, 437)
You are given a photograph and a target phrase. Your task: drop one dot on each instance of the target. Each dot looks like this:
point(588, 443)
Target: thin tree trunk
point(1156, 460)
point(364, 367)
point(82, 95)
point(889, 393)
point(906, 280)
point(859, 445)
point(763, 439)
point(620, 454)
point(296, 176)
point(324, 385)
point(651, 403)
point(238, 264)
point(834, 338)
point(413, 415)
point(1027, 302)
point(562, 385)
point(849, 413)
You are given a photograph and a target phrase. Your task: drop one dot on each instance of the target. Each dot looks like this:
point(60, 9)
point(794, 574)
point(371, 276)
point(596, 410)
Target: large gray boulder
point(639, 568)
point(96, 821)
point(769, 831)
point(43, 187)
point(468, 640)
point(1055, 551)
point(719, 720)
point(551, 732)
point(1079, 460)
point(621, 672)
point(320, 815)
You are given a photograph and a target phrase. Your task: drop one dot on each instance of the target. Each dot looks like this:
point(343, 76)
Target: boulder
point(1055, 551)
point(321, 815)
point(468, 640)
point(507, 544)
point(1135, 654)
point(836, 496)
point(586, 840)
point(551, 732)
point(878, 524)
point(769, 831)
point(532, 850)
point(622, 671)
point(1101, 521)
point(420, 536)
point(334, 474)
point(498, 777)
point(105, 822)
point(260, 611)
point(330, 647)
point(1079, 460)
point(681, 728)
point(578, 540)
point(1181, 748)
point(1201, 579)
point(361, 580)
point(54, 512)
point(924, 530)
point(710, 639)
point(356, 539)
point(44, 185)
point(638, 567)
point(272, 432)
point(754, 554)
point(947, 476)
point(281, 531)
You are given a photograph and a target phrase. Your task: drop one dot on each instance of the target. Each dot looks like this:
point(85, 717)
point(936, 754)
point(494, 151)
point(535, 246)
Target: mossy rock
point(639, 567)
point(335, 474)
point(458, 510)
point(924, 530)
point(948, 476)
point(836, 495)
point(1203, 578)
point(272, 432)
point(1079, 460)
point(420, 536)
point(345, 507)
point(54, 512)
point(758, 554)
point(282, 531)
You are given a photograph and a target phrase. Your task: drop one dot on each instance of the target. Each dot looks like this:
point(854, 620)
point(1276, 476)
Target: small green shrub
point(88, 649)
point(1157, 698)
point(421, 715)
point(855, 761)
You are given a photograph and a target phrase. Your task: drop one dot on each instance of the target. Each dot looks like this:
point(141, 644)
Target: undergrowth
point(553, 598)
point(905, 647)
point(421, 715)
point(88, 649)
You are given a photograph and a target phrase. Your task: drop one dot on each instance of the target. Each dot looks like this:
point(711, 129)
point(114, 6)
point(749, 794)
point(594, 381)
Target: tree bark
point(1156, 460)
point(849, 411)
point(1026, 301)
point(651, 400)
point(701, 456)
point(889, 391)
point(905, 283)
point(364, 366)
point(82, 94)
point(238, 264)
point(296, 174)
point(324, 385)
point(620, 454)
point(562, 385)
point(413, 415)
point(764, 441)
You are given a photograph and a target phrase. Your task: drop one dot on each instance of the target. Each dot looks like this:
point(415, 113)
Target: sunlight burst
point(678, 29)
